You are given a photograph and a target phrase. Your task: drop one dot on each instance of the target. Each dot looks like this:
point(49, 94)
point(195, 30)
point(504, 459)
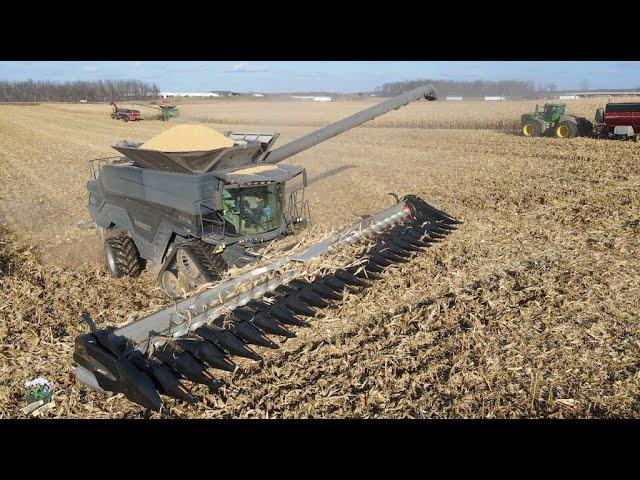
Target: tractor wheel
point(566, 129)
point(532, 128)
point(601, 132)
point(585, 127)
point(125, 118)
point(121, 256)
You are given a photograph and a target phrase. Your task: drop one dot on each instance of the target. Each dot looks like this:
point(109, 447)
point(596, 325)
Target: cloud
point(243, 67)
point(89, 69)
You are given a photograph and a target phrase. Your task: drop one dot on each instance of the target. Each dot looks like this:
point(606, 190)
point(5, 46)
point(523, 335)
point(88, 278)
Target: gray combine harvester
point(194, 214)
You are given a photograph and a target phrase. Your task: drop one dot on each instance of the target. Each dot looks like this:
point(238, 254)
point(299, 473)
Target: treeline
point(94, 91)
point(478, 88)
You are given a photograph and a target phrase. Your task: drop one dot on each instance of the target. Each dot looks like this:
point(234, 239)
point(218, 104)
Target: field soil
point(529, 309)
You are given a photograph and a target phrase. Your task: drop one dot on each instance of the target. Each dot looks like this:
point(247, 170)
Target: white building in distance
point(494, 99)
point(311, 97)
point(188, 94)
point(457, 99)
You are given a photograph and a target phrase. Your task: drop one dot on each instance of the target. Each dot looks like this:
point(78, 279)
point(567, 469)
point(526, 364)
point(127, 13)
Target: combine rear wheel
point(566, 129)
point(121, 256)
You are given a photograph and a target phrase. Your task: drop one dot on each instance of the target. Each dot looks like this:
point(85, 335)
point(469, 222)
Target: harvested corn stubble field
point(529, 309)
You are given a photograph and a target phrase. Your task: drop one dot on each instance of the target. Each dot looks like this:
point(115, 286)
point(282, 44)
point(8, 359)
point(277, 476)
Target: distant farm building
point(311, 97)
point(456, 99)
point(598, 93)
point(568, 97)
point(494, 99)
point(226, 93)
point(188, 94)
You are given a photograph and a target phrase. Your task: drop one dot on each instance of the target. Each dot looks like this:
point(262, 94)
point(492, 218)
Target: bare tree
point(478, 88)
point(74, 91)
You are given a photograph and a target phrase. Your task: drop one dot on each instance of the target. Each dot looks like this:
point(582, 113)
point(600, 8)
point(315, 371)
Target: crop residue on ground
point(528, 310)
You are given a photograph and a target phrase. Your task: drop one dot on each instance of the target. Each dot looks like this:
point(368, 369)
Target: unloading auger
point(155, 355)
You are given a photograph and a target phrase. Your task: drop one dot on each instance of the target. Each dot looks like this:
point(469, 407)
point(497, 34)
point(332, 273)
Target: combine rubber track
point(156, 354)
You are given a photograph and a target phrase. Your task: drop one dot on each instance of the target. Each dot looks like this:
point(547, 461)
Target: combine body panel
point(154, 206)
point(192, 215)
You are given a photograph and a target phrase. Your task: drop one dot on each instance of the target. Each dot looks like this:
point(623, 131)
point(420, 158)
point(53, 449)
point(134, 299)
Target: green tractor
point(553, 121)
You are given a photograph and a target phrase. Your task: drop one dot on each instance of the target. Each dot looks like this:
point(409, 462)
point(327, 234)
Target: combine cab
point(191, 215)
point(553, 121)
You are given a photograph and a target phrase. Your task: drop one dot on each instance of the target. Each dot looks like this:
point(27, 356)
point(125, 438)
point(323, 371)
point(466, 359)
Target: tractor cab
point(552, 111)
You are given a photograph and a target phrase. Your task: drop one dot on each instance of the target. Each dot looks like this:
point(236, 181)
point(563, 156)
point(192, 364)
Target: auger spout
point(292, 148)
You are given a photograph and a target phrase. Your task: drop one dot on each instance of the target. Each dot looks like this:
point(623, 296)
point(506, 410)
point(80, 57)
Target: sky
point(334, 76)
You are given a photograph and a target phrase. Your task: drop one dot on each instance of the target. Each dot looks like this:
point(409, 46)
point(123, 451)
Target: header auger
point(157, 354)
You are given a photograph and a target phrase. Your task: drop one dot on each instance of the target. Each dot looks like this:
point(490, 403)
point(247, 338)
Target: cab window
point(253, 209)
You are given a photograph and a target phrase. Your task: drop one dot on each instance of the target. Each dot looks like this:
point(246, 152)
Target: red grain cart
point(124, 114)
point(619, 121)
